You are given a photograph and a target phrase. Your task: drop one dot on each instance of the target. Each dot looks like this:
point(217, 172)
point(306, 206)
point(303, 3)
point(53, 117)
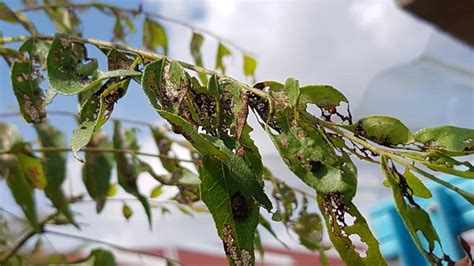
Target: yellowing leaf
point(222, 52)
point(156, 191)
point(250, 64)
point(127, 211)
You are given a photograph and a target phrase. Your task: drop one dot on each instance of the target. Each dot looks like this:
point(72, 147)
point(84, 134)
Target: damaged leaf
point(448, 138)
point(384, 130)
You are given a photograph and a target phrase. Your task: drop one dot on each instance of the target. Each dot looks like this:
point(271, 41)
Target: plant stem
point(113, 245)
point(95, 149)
point(395, 157)
point(29, 234)
point(135, 12)
point(142, 53)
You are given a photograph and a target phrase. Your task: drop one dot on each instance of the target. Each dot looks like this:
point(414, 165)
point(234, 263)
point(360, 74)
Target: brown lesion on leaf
point(238, 257)
point(241, 119)
point(328, 111)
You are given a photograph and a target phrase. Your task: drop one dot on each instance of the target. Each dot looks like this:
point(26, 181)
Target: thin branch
point(142, 53)
point(112, 245)
point(96, 149)
point(135, 12)
point(27, 236)
point(395, 157)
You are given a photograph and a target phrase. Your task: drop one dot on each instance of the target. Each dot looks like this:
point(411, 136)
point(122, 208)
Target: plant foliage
point(211, 113)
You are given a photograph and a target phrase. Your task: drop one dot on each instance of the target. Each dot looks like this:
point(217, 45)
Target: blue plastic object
point(450, 214)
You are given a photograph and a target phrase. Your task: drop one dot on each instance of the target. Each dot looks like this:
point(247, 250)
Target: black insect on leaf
point(240, 207)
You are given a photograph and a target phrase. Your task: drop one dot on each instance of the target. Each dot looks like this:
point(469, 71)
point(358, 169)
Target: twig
point(113, 245)
point(29, 234)
point(394, 156)
point(135, 12)
point(142, 53)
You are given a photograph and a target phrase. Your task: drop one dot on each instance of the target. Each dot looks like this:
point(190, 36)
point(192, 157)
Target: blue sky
point(376, 54)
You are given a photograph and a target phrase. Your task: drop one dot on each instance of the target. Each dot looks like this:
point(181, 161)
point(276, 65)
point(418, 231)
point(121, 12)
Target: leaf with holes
point(414, 217)
point(310, 157)
point(68, 71)
point(334, 210)
point(234, 211)
point(324, 96)
point(447, 138)
point(27, 91)
point(385, 130)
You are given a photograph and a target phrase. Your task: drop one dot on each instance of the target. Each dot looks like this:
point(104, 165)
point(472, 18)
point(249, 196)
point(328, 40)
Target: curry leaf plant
point(222, 172)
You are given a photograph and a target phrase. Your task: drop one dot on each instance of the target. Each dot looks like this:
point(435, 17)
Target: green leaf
point(26, 80)
point(151, 82)
point(63, 63)
point(310, 157)
point(127, 170)
point(28, 92)
point(448, 138)
point(96, 111)
point(234, 211)
point(324, 96)
point(97, 170)
point(250, 64)
point(383, 130)
point(340, 232)
point(154, 36)
point(416, 185)
point(33, 169)
point(81, 136)
point(23, 195)
point(207, 146)
point(6, 14)
point(64, 20)
point(68, 73)
point(222, 52)
point(196, 44)
point(292, 90)
point(127, 211)
point(156, 191)
point(55, 167)
point(416, 219)
point(309, 228)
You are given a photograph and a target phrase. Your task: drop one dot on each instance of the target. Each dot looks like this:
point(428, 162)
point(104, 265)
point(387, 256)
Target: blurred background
point(409, 59)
